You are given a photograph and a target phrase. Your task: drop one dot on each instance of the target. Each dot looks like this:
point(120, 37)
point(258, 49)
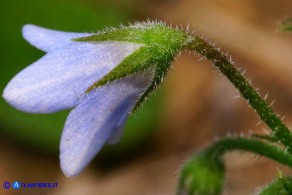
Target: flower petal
point(90, 124)
point(59, 80)
point(46, 39)
point(116, 134)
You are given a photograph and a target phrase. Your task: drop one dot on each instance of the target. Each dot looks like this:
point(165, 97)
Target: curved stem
point(265, 112)
point(217, 149)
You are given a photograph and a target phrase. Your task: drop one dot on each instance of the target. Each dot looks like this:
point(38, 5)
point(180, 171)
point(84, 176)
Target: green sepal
point(159, 46)
point(127, 67)
point(148, 33)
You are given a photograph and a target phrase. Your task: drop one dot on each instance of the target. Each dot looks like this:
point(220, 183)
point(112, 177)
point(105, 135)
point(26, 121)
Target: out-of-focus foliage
point(43, 131)
point(286, 26)
point(282, 186)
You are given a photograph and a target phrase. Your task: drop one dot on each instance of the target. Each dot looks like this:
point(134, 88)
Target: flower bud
point(202, 175)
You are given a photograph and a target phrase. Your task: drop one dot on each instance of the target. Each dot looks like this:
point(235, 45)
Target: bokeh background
point(194, 105)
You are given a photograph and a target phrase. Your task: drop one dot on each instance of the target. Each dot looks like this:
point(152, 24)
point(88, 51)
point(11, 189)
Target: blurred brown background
point(199, 104)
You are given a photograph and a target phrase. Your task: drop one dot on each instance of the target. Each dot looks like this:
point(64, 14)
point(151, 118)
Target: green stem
point(265, 112)
point(217, 149)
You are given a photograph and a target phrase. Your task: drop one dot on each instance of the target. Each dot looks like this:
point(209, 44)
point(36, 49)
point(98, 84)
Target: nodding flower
point(103, 76)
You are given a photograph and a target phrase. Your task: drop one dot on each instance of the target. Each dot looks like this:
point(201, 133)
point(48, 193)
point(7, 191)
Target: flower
point(103, 76)
point(59, 80)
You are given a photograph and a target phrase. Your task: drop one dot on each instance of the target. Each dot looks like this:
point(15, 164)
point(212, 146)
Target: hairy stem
point(279, 129)
point(251, 145)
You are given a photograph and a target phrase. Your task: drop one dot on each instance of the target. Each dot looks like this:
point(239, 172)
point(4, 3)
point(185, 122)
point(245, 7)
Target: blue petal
point(91, 124)
point(58, 80)
point(116, 134)
point(46, 39)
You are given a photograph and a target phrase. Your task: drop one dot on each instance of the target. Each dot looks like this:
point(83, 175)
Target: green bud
point(202, 175)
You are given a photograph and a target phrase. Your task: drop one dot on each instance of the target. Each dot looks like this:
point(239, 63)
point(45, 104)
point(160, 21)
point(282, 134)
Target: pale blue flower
point(59, 81)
